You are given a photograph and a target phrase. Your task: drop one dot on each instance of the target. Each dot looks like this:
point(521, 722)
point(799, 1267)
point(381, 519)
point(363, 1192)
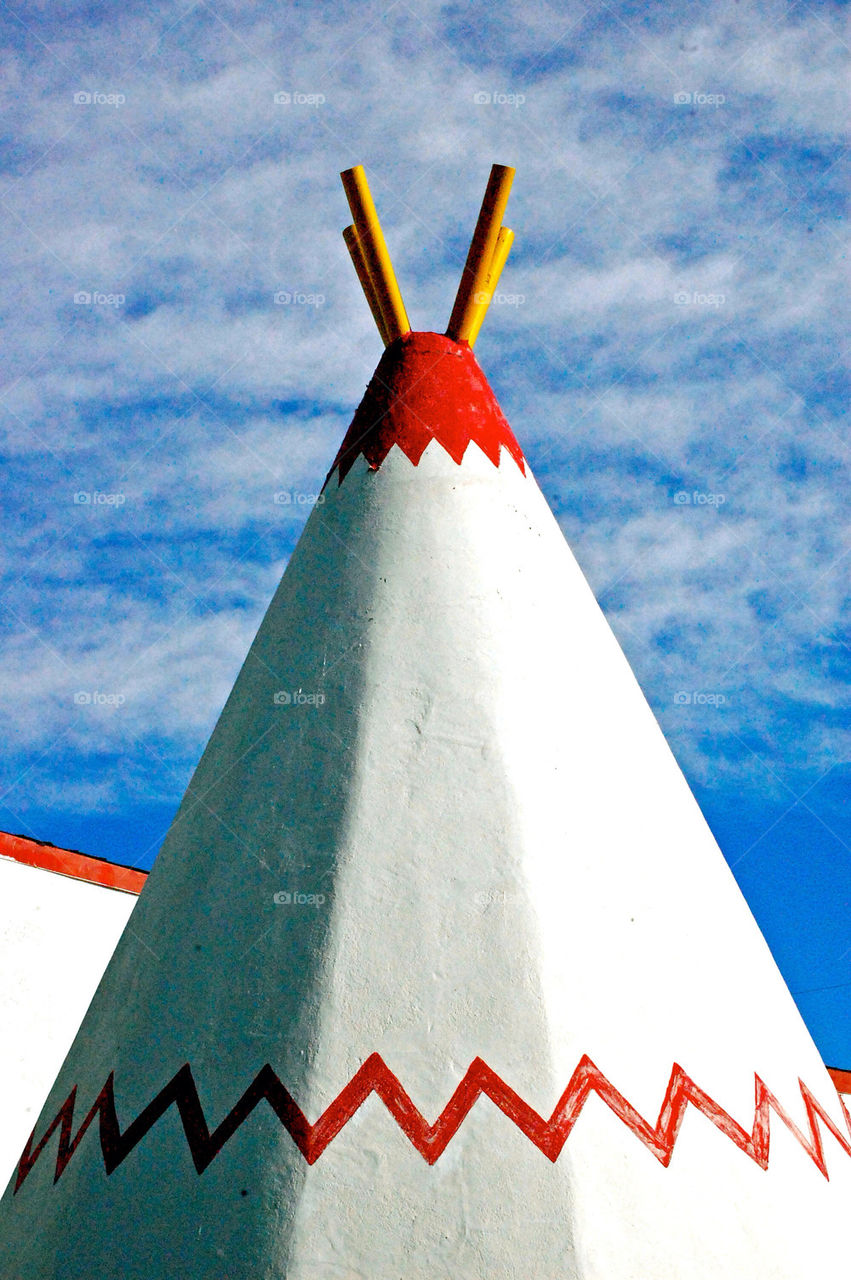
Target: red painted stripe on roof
point(66, 862)
point(842, 1079)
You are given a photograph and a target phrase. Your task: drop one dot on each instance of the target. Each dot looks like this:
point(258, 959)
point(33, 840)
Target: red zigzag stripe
point(431, 1140)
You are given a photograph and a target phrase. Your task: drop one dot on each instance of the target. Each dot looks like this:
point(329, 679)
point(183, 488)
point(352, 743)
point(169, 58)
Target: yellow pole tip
point(354, 179)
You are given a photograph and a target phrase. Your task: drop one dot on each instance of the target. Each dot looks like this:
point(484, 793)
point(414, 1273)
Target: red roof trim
point(842, 1079)
point(66, 862)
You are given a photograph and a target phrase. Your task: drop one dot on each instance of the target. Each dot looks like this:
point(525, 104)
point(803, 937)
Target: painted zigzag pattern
point(430, 1140)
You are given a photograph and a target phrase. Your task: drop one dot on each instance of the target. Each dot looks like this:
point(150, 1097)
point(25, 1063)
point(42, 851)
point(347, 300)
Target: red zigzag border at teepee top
point(374, 1076)
point(426, 387)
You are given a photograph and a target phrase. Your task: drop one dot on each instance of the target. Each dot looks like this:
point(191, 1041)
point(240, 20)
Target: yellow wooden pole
point(483, 300)
point(481, 253)
point(355, 249)
point(375, 253)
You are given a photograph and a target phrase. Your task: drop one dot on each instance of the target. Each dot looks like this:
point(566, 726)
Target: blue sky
point(668, 347)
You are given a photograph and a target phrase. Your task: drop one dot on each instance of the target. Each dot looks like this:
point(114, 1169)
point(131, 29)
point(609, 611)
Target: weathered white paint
point(512, 866)
point(56, 937)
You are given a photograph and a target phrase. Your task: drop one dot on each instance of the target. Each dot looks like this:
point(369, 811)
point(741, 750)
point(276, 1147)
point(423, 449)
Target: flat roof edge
point(67, 862)
point(842, 1079)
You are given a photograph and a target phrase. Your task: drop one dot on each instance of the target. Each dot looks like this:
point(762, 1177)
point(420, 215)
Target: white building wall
point(56, 937)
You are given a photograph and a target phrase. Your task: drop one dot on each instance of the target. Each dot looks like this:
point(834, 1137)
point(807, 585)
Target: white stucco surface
point(56, 937)
point(511, 866)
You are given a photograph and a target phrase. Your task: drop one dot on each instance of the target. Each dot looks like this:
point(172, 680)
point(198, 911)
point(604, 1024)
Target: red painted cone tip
point(426, 387)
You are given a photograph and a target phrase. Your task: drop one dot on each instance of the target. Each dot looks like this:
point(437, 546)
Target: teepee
point(440, 972)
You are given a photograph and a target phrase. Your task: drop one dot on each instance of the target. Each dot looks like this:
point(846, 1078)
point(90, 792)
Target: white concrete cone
point(437, 822)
